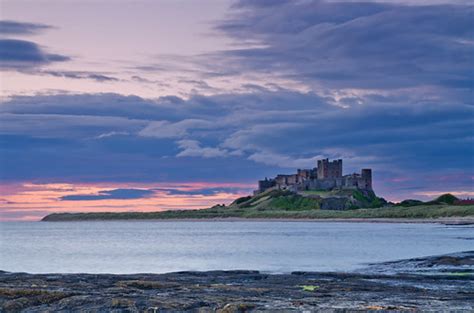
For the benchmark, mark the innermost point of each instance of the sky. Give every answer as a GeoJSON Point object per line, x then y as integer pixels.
{"type": "Point", "coordinates": [153, 105]}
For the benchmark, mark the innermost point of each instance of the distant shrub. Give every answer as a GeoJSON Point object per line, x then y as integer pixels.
{"type": "Point", "coordinates": [447, 198]}
{"type": "Point", "coordinates": [242, 199]}
{"type": "Point", "coordinates": [410, 202]}
{"type": "Point", "coordinates": [368, 199]}
{"type": "Point", "coordinates": [359, 196]}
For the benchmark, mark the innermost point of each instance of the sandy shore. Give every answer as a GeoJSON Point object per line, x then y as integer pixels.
{"type": "Point", "coordinates": [446, 220]}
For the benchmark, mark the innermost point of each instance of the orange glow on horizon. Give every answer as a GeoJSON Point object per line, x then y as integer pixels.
{"type": "Point", "coordinates": [31, 201]}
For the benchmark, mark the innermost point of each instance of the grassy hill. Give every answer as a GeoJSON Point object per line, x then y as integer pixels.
{"type": "Point", "coordinates": [285, 204]}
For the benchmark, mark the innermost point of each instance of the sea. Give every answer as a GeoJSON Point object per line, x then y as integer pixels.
{"type": "Point", "coordinates": [170, 246]}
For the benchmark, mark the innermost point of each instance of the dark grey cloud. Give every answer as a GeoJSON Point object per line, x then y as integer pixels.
{"type": "Point", "coordinates": [8, 27]}
{"type": "Point", "coordinates": [259, 3]}
{"type": "Point", "coordinates": [99, 77]}
{"type": "Point", "coordinates": [100, 105]}
{"type": "Point", "coordinates": [21, 54]}
{"type": "Point", "coordinates": [198, 84]}
{"type": "Point", "coordinates": [354, 45]}
{"type": "Point", "coordinates": [27, 56]}
{"type": "Point", "coordinates": [390, 88]}
{"type": "Point", "coordinates": [234, 137]}
{"type": "Point", "coordinates": [111, 194]}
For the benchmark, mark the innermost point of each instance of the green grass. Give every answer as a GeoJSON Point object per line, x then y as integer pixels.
{"type": "Point", "coordinates": [434, 211]}
{"type": "Point", "coordinates": [461, 274]}
{"type": "Point", "coordinates": [294, 203]}
{"type": "Point", "coordinates": [309, 287]}
{"type": "Point", "coordinates": [321, 193]}
{"type": "Point", "coordinates": [285, 204]}
{"type": "Point", "coordinates": [422, 211]}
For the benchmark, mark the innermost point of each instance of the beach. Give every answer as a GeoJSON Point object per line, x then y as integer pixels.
{"type": "Point", "coordinates": [462, 220]}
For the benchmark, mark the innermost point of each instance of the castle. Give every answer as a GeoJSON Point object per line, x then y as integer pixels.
{"type": "Point", "coordinates": [326, 176]}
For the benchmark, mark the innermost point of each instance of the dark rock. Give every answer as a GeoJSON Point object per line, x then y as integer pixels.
{"type": "Point", "coordinates": [335, 203]}
{"type": "Point", "coordinates": [441, 283]}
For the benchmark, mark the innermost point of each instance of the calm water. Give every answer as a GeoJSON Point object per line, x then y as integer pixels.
{"type": "Point", "coordinates": [157, 247]}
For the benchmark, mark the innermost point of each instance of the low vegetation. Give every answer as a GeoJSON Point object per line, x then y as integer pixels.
{"type": "Point", "coordinates": [17, 299]}
{"type": "Point", "coordinates": [425, 211]}
{"type": "Point", "coordinates": [285, 204]}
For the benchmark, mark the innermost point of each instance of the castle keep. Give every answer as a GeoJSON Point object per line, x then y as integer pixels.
{"type": "Point", "coordinates": [326, 176]}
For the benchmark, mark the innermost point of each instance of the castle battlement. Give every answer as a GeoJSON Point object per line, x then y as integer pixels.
{"type": "Point", "coordinates": [326, 176]}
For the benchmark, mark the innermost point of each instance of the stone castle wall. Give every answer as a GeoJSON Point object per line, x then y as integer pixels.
{"type": "Point", "coordinates": [327, 176]}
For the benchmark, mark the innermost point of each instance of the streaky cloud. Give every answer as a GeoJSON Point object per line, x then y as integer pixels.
{"type": "Point", "coordinates": [202, 191]}
{"type": "Point", "coordinates": [363, 45]}
{"type": "Point", "coordinates": [111, 194]}
{"type": "Point", "coordinates": [99, 77]}
{"type": "Point", "coordinates": [234, 137]}
{"type": "Point", "coordinates": [21, 54]}
{"type": "Point", "coordinates": [8, 27]}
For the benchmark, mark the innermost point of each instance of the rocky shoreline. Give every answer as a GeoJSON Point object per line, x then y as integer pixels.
{"type": "Point", "coordinates": [433, 283]}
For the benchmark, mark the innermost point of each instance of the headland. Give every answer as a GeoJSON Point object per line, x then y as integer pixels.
{"type": "Point", "coordinates": [320, 193]}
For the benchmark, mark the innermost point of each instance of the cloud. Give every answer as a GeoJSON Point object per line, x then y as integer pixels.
{"type": "Point", "coordinates": [284, 161]}
{"type": "Point", "coordinates": [253, 136]}
{"type": "Point", "coordinates": [69, 126]}
{"type": "Point", "coordinates": [31, 201]}
{"type": "Point", "coordinates": [21, 54]}
{"type": "Point", "coordinates": [259, 3]}
{"type": "Point", "coordinates": [28, 57]}
{"type": "Point", "coordinates": [101, 105]}
{"type": "Point", "coordinates": [99, 77]}
{"type": "Point", "coordinates": [232, 136]}
{"type": "Point", "coordinates": [381, 85]}
{"type": "Point", "coordinates": [112, 133]}
{"type": "Point", "coordinates": [362, 45]}
{"type": "Point", "coordinates": [200, 85]}
{"type": "Point", "coordinates": [165, 129]}
{"type": "Point", "coordinates": [203, 191]}
{"type": "Point", "coordinates": [20, 28]}
{"type": "Point", "coordinates": [111, 194]}
{"type": "Point", "coordinates": [192, 148]}
{"type": "Point", "coordinates": [414, 2]}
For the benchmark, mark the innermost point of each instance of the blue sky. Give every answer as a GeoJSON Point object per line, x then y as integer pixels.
{"type": "Point", "coordinates": [148, 92]}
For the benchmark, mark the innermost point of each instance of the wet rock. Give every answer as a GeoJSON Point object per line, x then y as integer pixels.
{"type": "Point", "coordinates": [236, 307]}
{"type": "Point", "coordinates": [453, 264]}
{"type": "Point", "coordinates": [380, 287]}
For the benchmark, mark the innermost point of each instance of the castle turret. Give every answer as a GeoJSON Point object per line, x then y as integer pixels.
{"type": "Point", "coordinates": [366, 175]}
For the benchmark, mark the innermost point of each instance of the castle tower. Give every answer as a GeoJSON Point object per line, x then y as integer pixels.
{"type": "Point", "coordinates": [328, 169]}
{"type": "Point", "coordinates": [366, 175]}
{"type": "Point", "coordinates": [322, 168]}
